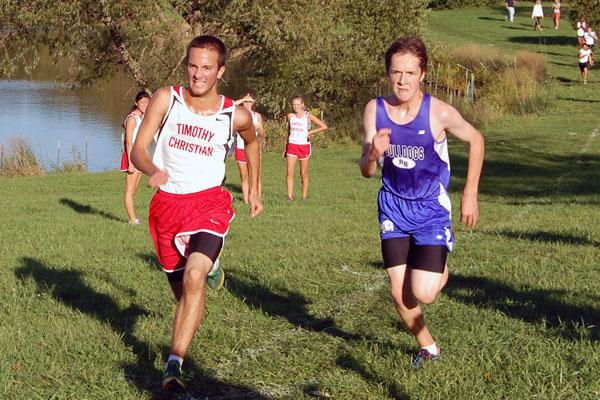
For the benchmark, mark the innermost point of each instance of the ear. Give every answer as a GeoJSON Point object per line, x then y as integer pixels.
{"type": "Point", "coordinates": [423, 73]}
{"type": "Point", "coordinates": [220, 72]}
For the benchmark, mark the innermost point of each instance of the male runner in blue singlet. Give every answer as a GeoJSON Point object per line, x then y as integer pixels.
{"type": "Point", "coordinates": [408, 130]}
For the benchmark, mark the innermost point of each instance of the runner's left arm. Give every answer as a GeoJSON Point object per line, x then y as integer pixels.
{"type": "Point", "coordinates": [243, 125]}
{"type": "Point", "coordinates": [453, 122]}
{"type": "Point", "coordinates": [321, 126]}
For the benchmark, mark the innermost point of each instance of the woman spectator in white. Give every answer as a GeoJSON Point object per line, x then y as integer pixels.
{"type": "Point", "coordinates": [538, 14]}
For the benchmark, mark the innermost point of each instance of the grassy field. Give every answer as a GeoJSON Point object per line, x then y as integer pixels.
{"type": "Point", "coordinates": [86, 312]}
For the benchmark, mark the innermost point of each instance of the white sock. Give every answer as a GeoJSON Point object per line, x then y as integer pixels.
{"type": "Point", "coordinates": [177, 358]}
{"type": "Point", "coordinates": [432, 349]}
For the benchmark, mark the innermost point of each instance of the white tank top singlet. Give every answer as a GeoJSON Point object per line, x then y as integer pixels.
{"type": "Point", "coordinates": [192, 148]}
{"type": "Point", "coordinates": [239, 142]}
{"type": "Point", "coordinates": [299, 127]}
{"type": "Point", "coordinates": [136, 128]}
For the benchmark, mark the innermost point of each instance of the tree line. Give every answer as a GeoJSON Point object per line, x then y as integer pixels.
{"type": "Point", "coordinates": [330, 50]}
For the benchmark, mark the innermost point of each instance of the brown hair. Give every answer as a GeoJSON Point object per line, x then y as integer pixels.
{"type": "Point", "coordinates": [208, 42]}
{"type": "Point", "coordinates": [407, 45]}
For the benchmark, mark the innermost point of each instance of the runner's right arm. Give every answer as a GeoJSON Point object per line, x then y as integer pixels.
{"type": "Point", "coordinates": [375, 143]}
{"type": "Point", "coordinates": [155, 113]}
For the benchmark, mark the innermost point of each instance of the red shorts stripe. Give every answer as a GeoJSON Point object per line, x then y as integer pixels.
{"type": "Point", "coordinates": [240, 155]}
{"type": "Point", "coordinates": [175, 217]}
{"type": "Point", "coordinates": [302, 151]}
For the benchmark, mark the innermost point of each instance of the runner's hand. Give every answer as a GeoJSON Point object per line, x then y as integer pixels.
{"type": "Point", "coordinates": [256, 206]}
{"type": "Point", "coordinates": [380, 143]}
{"type": "Point", "coordinates": [158, 178]}
{"type": "Point", "coordinates": [469, 211]}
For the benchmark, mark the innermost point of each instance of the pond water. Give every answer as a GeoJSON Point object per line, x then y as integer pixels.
{"type": "Point", "coordinates": [59, 122]}
{"type": "Point", "coordinates": [62, 121]}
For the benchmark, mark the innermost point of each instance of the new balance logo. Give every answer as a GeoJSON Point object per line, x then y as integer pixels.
{"type": "Point", "coordinates": [421, 132]}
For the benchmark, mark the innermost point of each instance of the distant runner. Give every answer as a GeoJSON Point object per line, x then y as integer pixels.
{"type": "Point", "coordinates": [298, 146]}
{"type": "Point", "coordinates": [249, 103]}
{"type": "Point", "coordinates": [132, 179]}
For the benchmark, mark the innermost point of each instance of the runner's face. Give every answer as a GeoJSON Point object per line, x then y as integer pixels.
{"type": "Point", "coordinates": [247, 105]}
{"type": "Point", "coordinates": [203, 70]}
{"type": "Point", "coordinates": [298, 106]}
{"type": "Point", "coordinates": [142, 104]}
{"type": "Point", "coordinates": [405, 76]}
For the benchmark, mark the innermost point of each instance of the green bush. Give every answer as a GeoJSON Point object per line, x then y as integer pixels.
{"type": "Point", "coordinates": [590, 9]}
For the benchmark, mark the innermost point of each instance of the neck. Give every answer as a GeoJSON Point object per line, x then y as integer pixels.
{"type": "Point", "coordinates": [411, 105]}
{"type": "Point", "coordinates": [207, 103]}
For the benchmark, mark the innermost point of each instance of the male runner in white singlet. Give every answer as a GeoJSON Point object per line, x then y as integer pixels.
{"type": "Point", "coordinates": [191, 211]}
{"type": "Point", "coordinates": [408, 130]}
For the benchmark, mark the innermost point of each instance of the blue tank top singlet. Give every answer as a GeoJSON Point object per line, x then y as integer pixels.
{"type": "Point", "coordinates": [416, 166]}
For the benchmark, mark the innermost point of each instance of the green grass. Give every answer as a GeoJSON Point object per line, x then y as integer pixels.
{"type": "Point", "coordinates": [86, 312]}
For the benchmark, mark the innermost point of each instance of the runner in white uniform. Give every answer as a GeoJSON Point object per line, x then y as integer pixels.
{"type": "Point", "coordinates": [581, 28]}
{"type": "Point", "coordinates": [590, 38]}
{"type": "Point", "coordinates": [249, 104]}
{"type": "Point", "coordinates": [586, 58]}
{"type": "Point", "coordinates": [132, 179]}
{"type": "Point", "coordinates": [298, 145]}
{"type": "Point", "coordinates": [191, 211]}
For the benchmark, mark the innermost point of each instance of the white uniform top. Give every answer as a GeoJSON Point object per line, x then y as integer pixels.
{"type": "Point", "coordinates": [239, 141]}
{"type": "Point", "coordinates": [589, 38]}
{"type": "Point", "coordinates": [192, 148]}
{"type": "Point", "coordinates": [556, 7]}
{"type": "Point", "coordinates": [538, 11]}
{"type": "Point", "coordinates": [584, 55]}
{"type": "Point", "coordinates": [136, 128]}
{"type": "Point", "coordinates": [298, 129]}
{"type": "Point", "coordinates": [581, 27]}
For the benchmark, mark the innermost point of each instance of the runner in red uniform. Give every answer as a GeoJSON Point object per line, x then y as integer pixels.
{"type": "Point", "coordinates": [298, 145]}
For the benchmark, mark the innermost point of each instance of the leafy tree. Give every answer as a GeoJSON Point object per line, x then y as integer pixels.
{"type": "Point", "coordinates": [588, 8]}
{"type": "Point", "coordinates": [330, 50]}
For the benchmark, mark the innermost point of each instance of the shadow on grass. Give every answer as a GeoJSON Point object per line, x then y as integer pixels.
{"type": "Point", "coordinates": [349, 363]}
{"type": "Point", "coordinates": [578, 100]}
{"type": "Point", "coordinates": [516, 28]}
{"type": "Point", "coordinates": [563, 79]}
{"type": "Point", "coordinates": [86, 209]}
{"type": "Point", "coordinates": [286, 303]}
{"type": "Point", "coordinates": [68, 287]}
{"type": "Point", "coordinates": [564, 64]}
{"type": "Point", "coordinates": [544, 40]}
{"type": "Point", "coordinates": [492, 19]}
{"type": "Point", "coordinates": [151, 260]}
{"type": "Point", "coordinates": [233, 187]}
{"type": "Point", "coordinates": [539, 306]}
{"type": "Point", "coordinates": [547, 237]}
{"type": "Point", "coordinates": [517, 171]}
{"type": "Point", "coordinates": [551, 53]}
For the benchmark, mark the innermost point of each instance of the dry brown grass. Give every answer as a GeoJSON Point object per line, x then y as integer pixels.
{"type": "Point", "coordinates": [18, 159]}
{"type": "Point", "coordinates": [504, 84]}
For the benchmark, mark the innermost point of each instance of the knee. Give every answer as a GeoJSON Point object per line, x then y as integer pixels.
{"type": "Point", "coordinates": [425, 296]}
{"type": "Point", "coordinates": [401, 301]}
{"type": "Point", "coordinates": [196, 274]}
{"type": "Point", "coordinates": [304, 176]}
